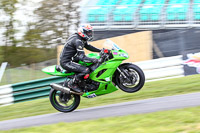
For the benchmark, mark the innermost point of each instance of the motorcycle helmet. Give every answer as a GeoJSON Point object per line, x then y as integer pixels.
{"type": "Point", "coordinates": [86, 32]}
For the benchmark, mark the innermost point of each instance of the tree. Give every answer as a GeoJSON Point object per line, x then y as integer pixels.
{"type": "Point", "coordinates": [55, 20]}
{"type": "Point", "coordinates": [1, 55]}
{"type": "Point", "coordinates": [32, 36]}
{"type": "Point", "coordinates": [8, 9]}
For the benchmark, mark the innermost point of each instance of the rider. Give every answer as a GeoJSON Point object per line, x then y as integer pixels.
{"type": "Point", "coordinates": [73, 52]}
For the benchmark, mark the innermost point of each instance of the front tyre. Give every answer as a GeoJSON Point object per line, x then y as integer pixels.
{"type": "Point", "coordinates": [64, 102]}
{"type": "Point", "coordinates": [129, 78]}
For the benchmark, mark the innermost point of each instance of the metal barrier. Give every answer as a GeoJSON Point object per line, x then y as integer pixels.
{"type": "Point", "coordinates": [158, 69]}
{"type": "Point", "coordinates": [162, 68]}
{"type": "Point", "coordinates": [27, 90]}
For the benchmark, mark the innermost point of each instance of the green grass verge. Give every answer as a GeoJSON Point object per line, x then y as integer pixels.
{"type": "Point", "coordinates": [175, 121]}
{"type": "Point", "coordinates": [150, 90]}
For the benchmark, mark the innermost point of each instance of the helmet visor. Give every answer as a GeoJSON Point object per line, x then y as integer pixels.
{"type": "Point", "coordinates": [89, 33]}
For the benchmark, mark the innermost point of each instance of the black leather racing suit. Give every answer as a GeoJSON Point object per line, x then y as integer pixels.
{"type": "Point", "coordinates": [73, 52]}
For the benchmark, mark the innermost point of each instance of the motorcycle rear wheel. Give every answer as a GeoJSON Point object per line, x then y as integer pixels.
{"type": "Point", "coordinates": [135, 81]}
{"type": "Point", "coordinates": [64, 102]}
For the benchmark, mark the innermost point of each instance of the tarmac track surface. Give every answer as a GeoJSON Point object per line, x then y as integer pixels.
{"type": "Point", "coordinates": [120, 109]}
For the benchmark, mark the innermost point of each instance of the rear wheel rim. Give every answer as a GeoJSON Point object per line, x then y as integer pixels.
{"type": "Point", "coordinates": [63, 104]}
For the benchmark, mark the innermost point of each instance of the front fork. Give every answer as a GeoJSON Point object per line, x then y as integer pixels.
{"type": "Point", "coordinates": [124, 74]}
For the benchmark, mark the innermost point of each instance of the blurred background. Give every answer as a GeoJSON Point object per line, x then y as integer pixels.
{"type": "Point", "coordinates": [32, 32]}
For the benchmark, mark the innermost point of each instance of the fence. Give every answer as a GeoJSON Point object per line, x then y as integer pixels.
{"type": "Point", "coordinates": [162, 68]}
{"type": "Point", "coordinates": [142, 16]}
{"type": "Point", "coordinates": [26, 72]}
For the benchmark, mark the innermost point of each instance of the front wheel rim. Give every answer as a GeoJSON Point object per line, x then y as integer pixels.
{"type": "Point", "coordinates": [133, 77]}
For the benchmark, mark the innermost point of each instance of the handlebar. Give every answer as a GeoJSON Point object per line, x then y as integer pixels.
{"type": "Point", "coordinates": [104, 54]}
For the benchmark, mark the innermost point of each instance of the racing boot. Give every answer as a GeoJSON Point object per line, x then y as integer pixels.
{"type": "Point", "coordinates": [72, 84]}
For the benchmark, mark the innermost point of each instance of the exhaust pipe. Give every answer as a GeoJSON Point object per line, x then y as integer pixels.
{"type": "Point", "coordinates": [63, 89]}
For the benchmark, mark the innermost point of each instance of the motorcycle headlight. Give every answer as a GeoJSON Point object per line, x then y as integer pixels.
{"type": "Point", "coordinates": [124, 55]}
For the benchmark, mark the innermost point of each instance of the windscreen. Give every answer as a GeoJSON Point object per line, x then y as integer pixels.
{"type": "Point", "coordinates": [111, 45]}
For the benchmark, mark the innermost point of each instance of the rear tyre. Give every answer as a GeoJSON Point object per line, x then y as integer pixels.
{"type": "Point", "coordinates": [134, 80]}
{"type": "Point", "coordinates": [64, 102]}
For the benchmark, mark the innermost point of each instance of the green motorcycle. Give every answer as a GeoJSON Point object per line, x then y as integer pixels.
{"type": "Point", "coordinates": [106, 77]}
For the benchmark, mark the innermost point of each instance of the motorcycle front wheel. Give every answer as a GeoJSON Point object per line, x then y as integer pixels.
{"type": "Point", "coordinates": [129, 78]}
{"type": "Point", "coordinates": [64, 102]}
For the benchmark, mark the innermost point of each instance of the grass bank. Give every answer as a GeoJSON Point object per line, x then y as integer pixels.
{"type": "Point", "coordinates": [168, 87]}
{"type": "Point", "coordinates": [175, 121]}
{"type": "Point", "coordinates": [16, 75]}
